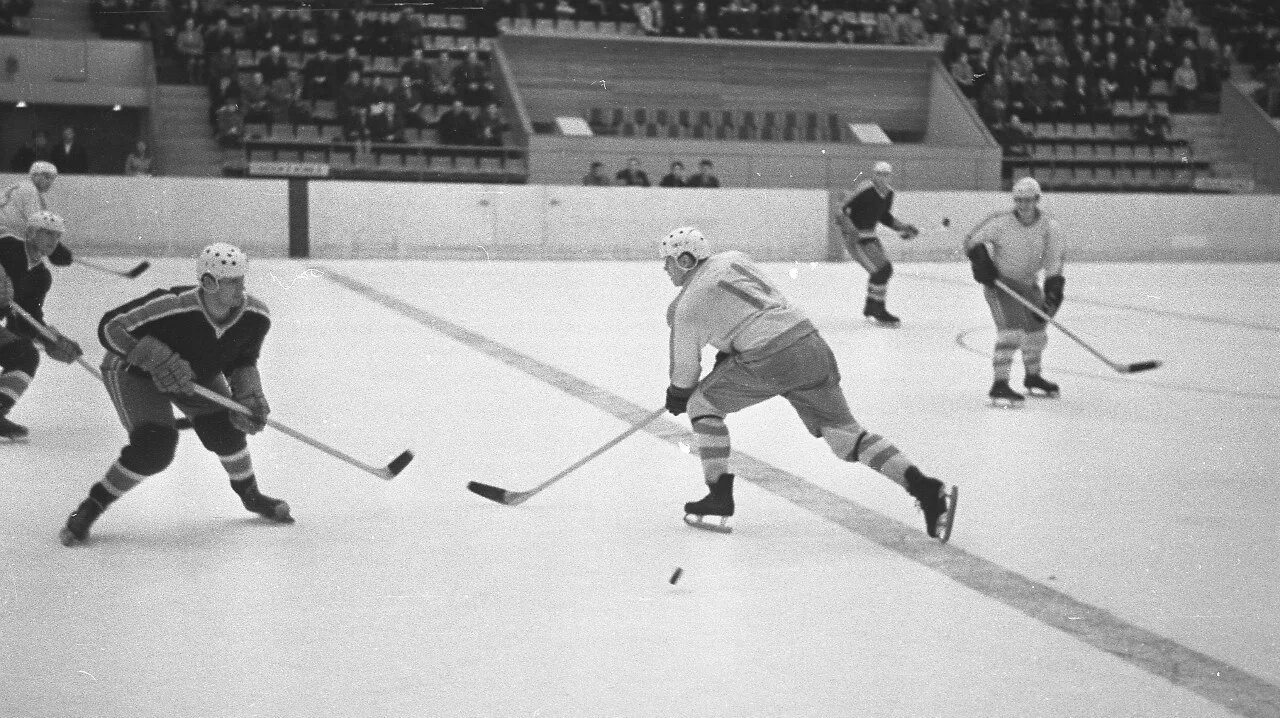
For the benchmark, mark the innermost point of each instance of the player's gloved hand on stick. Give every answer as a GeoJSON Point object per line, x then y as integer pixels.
{"type": "Point", "coordinates": [908, 231]}
{"type": "Point", "coordinates": [60, 256]}
{"type": "Point", "coordinates": [171, 373]}
{"type": "Point", "coordinates": [721, 357]}
{"type": "Point", "coordinates": [984, 269]}
{"type": "Point", "coordinates": [678, 399]}
{"type": "Point", "coordinates": [256, 403]}
{"type": "Point", "coordinates": [63, 349]}
{"type": "Point", "coordinates": [1053, 287]}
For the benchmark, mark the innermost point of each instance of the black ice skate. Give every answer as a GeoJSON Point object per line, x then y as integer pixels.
{"type": "Point", "coordinates": [938, 504]}
{"type": "Point", "coordinates": [11, 432]}
{"type": "Point", "coordinates": [77, 529]}
{"type": "Point", "coordinates": [719, 502]}
{"type": "Point", "coordinates": [875, 311]}
{"type": "Point", "coordinates": [1003, 395]}
{"type": "Point", "coordinates": [1039, 386]}
{"type": "Point", "coordinates": [261, 504]}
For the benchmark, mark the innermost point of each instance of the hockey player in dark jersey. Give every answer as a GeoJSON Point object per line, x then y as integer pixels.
{"type": "Point", "coordinates": [158, 347]}
{"type": "Point", "coordinates": [25, 281]}
{"type": "Point", "coordinates": [871, 203]}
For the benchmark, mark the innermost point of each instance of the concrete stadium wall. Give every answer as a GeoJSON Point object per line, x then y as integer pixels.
{"type": "Point", "coordinates": [154, 217]}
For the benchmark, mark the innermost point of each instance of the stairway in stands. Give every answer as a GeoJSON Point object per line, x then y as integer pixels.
{"type": "Point", "coordinates": [185, 145]}
{"type": "Point", "coordinates": [1210, 141]}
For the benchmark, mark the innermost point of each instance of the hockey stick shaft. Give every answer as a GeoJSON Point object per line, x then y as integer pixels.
{"type": "Point", "coordinates": [1123, 368]}
{"type": "Point", "coordinates": [513, 498]}
{"type": "Point", "coordinates": [131, 274]}
{"type": "Point", "coordinates": [382, 472]}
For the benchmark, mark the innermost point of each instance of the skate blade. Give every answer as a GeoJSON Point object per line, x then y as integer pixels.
{"type": "Point", "coordinates": [700, 523]}
{"type": "Point", "coordinates": [884, 325]}
{"type": "Point", "coordinates": [1037, 393]}
{"type": "Point", "coordinates": [68, 539]}
{"type": "Point", "coordinates": [14, 440]}
{"type": "Point", "coordinates": [944, 531]}
{"type": "Point", "coordinates": [1005, 403]}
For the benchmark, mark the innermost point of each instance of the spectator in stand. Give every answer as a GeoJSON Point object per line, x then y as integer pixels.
{"type": "Point", "coordinates": [491, 126]}
{"type": "Point", "coordinates": [226, 89]}
{"type": "Point", "coordinates": [219, 36]}
{"type": "Point", "coordinates": [69, 155]}
{"type": "Point", "coordinates": [350, 95]}
{"type": "Point", "coordinates": [471, 80]}
{"type": "Point", "coordinates": [140, 161]}
{"type": "Point", "coordinates": [35, 151]}
{"type": "Point", "coordinates": [230, 124]}
{"type": "Point", "coordinates": [285, 98]}
{"type": "Point", "coordinates": [254, 100]}
{"type": "Point", "coordinates": [1055, 105]}
{"type": "Point", "coordinates": [1152, 125]}
{"type": "Point", "coordinates": [704, 177]}
{"type": "Point", "coordinates": [962, 73]}
{"type": "Point", "coordinates": [408, 97]}
{"type": "Point", "coordinates": [443, 93]}
{"type": "Point", "coordinates": [456, 125]}
{"type": "Point", "coordinates": [381, 89]}
{"type": "Point", "coordinates": [318, 77]}
{"type": "Point", "coordinates": [674, 178]}
{"type": "Point", "coordinates": [702, 22]}
{"type": "Point", "coordinates": [409, 26]}
{"type": "Point", "coordinates": [222, 64]}
{"type": "Point", "coordinates": [593, 178]}
{"type": "Point", "coordinates": [385, 123]}
{"type": "Point", "coordinates": [1185, 83]}
{"type": "Point", "coordinates": [632, 175]}
{"type": "Point", "coordinates": [355, 129]}
{"type": "Point", "coordinates": [419, 71]}
{"type": "Point", "coordinates": [1078, 98]}
{"type": "Point", "coordinates": [190, 45]}
{"type": "Point", "coordinates": [348, 63]}
{"type": "Point", "coordinates": [1014, 137]}
{"type": "Point", "coordinates": [1036, 98]}
{"type": "Point", "coordinates": [273, 65]}
{"type": "Point", "coordinates": [995, 98]}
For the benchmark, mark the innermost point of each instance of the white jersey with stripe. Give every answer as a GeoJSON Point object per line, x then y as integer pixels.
{"type": "Point", "coordinates": [1021, 250]}
{"type": "Point", "coordinates": [18, 203]}
{"type": "Point", "coordinates": [726, 302]}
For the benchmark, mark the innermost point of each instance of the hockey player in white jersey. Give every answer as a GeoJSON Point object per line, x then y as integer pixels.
{"type": "Point", "coordinates": [1014, 246]}
{"type": "Point", "coordinates": [766, 347]}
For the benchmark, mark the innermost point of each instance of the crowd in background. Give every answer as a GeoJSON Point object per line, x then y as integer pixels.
{"type": "Point", "coordinates": [633, 175]}
{"type": "Point", "coordinates": [68, 154]}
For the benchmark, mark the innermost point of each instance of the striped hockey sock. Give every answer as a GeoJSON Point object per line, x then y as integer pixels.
{"type": "Point", "coordinates": [1033, 345]}
{"type": "Point", "coordinates": [1007, 342]}
{"type": "Point", "coordinates": [878, 453]}
{"type": "Point", "coordinates": [713, 446]}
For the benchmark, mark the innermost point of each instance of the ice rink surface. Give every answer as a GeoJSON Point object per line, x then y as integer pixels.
{"type": "Point", "coordinates": [1116, 553]}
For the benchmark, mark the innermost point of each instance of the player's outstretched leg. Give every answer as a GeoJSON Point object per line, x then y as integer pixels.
{"type": "Point", "coordinates": [1039, 386]}
{"type": "Point", "coordinates": [938, 505]}
{"type": "Point", "coordinates": [259, 503]}
{"type": "Point", "coordinates": [717, 502]}
{"type": "Point", "coordinates": [1003, 395]}
{"type": "Point", "coordinates": [78, 523]}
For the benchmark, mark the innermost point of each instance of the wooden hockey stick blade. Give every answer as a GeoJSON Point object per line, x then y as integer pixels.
{"type": "Point", "coordinates": [138, 270]}
{"type": "Point", "coordinates": [493, 493]}
{"type": "Point", "coordinates": [397, 464]}
{"type": "Point", "coordinates": [1143, 366]}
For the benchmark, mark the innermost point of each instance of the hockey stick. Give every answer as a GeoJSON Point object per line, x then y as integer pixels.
{"type": "Point", "coordinates": [514, 498]}
{"type": "Point", "coordinates": [1122, 368]}
{"type": "Point", "coordinates": [387, 472]}
{"type": "Point", "coordinates": [131, 274]}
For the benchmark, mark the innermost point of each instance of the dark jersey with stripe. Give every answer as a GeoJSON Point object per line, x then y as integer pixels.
{"type": "Point", "coordinates": [30, 284]}
{"type": "Point", "coordinates": [867, 207]}
{"type": "Point", "coordinates": [177, 317]}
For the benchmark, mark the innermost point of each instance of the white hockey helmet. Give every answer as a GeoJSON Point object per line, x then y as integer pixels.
{"type": "Point", "coordinates": [222, 261]}
{"type": "Point", "coordinates": [41, 167]}
{"type": "Point", "coordinates": [44, 219]}
{"type": "Point", "coordinates": [685, 239]}
{"type": "Point", "coordinates": [1026, 188]}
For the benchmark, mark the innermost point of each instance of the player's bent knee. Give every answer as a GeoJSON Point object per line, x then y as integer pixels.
{"type": "Point", "coordinates": [151, 449]}
{"type": "Point", "coordinates": [217, 434]}
{"type": "Point", "coordinates": [699, 407]}
{"type": "Point", "coordinates": [20, 355]}
{"type": "Point", "coordinates": [881, 275]}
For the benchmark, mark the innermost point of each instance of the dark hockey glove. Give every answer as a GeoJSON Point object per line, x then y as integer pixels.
{"type": "Point", "coordinates": [60, 256]}
{"type": "Point", "coordinates": [246, 388]}
{"type": "Point", "coordinates": [678, 399]}
{"type": "Point", "coordinates": [984, 270]}
{"type": "Point", "coordinates": [63, 350]}
{"type": "Point", "coordinates": [908, 231]}
{"type": "Point", "coordinates": [171, 373]}
{"type": "Point", "coordinates": [721, 357]}
{"type": "Point", "coordinates": [1053, 287]}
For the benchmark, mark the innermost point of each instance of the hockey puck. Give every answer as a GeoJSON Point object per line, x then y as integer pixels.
{"type": "Point", "coordinates": [675, 575]}
{"type": "Point", "coordinates": [946, 221]}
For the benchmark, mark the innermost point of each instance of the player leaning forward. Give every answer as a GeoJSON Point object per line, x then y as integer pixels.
{"type": "Point", "coordinates": [158, 347]}
{"type": "Point", "coordinates": [1022, 242]}
{"type": "Point", "coordinates": [766, 347]}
